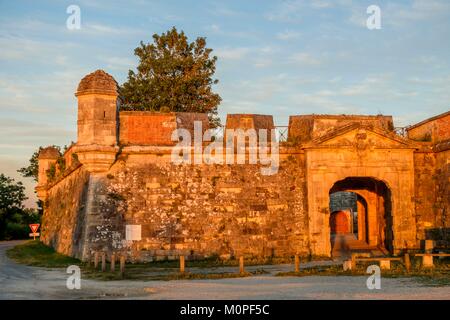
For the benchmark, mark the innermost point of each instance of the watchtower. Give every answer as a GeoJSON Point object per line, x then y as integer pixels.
{"type": "Point", "coordinates": [98, 123]}
{"type": "Point", "coordinates": [97, 109]}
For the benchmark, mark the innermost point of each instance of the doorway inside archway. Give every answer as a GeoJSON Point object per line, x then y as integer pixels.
{"type": "Point", "coordinates": [361, 216]}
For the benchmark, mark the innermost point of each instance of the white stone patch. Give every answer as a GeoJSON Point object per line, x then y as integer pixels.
{"type": "Point", "coordinates": [133, 232]}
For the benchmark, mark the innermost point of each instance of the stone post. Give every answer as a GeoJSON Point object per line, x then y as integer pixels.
{"type": "Point", "coordinates": [347, 265]}
{"type": "Point", "coordinates": [385, 264]}
{"type": "Point", "coordinates": [113, 262]}
{"type": "Point", "coordinates": [181, 264]}
{"type": "Point", "coordinates": [427, 261]}
{"type": "Point", "coordinates": [122, 265]}
{"type": "Point", "coordinates": [407, 262]}
{"type": "Point", "coordinates": [297, 263]}
{"type": "Point", "coordinates": [353, 262]}
{"type": "Point", "coordinates": [241, 265]}
{"type": "Point", "coordinates": [95, 260]}
{"type": "Point", "coordinates": [103, 262]}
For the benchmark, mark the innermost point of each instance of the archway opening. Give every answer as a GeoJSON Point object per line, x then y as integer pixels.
{"type": "Point", "coordinates": [361, 218]}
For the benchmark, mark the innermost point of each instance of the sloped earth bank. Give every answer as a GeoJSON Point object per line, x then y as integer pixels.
{"type": "Point", "coordinates": [23, 282]}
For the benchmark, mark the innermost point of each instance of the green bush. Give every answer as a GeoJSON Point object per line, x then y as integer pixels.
{"type": "Point", "coordinates": [16, 230]}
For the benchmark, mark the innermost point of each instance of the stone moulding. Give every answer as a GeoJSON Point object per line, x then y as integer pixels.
{"type": "Point", "coordinates": [96, 158]}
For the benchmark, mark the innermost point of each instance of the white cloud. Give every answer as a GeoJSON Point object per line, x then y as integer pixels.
{"type": "Point", "coordinates": [404, 14]}
{"type": "Point", "coordinates": [119, 63]}
{"type": "Point", "coordinates": [304, 58]}
{"type": "Point", "coordinates": [97, 29]}
{"type": "Point", "coordinates": [293, 11]}
{"type": "Point", "coordinates": [263, 62]}
{"type": "Point", "coordinates": [418, 10]}
{"type": "Point", "coordinates": [222, 10]}
{"type": "Point", "coordinates": [232, 53]}
{"type": "Point", "coordinates": [323, 104]}
{"type": "Point", "coordinates": [359, 16]}
{"type": "Point", "coordinates": [321, 4]}
{"type": "Point", "coordinates": [288, 35]}
{"type": "Point", "coordinates": [288, 11]}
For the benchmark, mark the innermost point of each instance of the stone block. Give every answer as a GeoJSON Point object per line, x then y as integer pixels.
{"type": "Point", "coordinates": [347, 265]}
{"type": "Point", "coordinates": [385, 264]}
{"type": "Point", "coordinates": [427, 261]}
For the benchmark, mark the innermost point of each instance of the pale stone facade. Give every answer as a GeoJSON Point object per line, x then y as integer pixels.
{"type": "Point", "coordinates": [120, 173]}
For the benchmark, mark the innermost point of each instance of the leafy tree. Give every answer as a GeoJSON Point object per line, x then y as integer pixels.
{"type": "Point", "coordinates": [14, 219]}
{"type": "Point", "coordinates": [173, 75]}
{"type": "Point", "coordinates": [12, 193]}
{"type": "Point", "coordinates": [32, 169]}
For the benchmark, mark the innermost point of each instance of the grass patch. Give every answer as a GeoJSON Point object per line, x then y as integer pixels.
{"type": "Point", "coordinates": [437, 276]}
{"type": "Point", "coordinates": [143, 272]}
{"type": "Point", "coordinates": [168, 275]}
{"type": "Point", "coordinates": [216, 262]}
{"type": "Point", "coordinates": [35, 253]}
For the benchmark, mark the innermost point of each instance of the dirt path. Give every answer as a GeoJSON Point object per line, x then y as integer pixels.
{"type": "Point", "coordinates": [22, 282]}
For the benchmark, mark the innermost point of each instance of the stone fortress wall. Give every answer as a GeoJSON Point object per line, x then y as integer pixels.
{"type": "Point", "coordinates": [118, 177]}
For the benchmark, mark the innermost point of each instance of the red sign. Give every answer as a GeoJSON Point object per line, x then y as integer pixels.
{"type": "Point", "coordinates": [34, 227]}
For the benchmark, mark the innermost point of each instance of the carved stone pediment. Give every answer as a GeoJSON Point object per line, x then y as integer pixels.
{"type": "Point", "coordinates": [361, 138]}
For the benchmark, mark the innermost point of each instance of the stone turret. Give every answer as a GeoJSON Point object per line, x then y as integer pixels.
{"type": "Point", "coordinates": [97, 137]}
{"type": "Point", "coordinates": [47, 157]}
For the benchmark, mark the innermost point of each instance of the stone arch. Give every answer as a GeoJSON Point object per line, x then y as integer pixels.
{"type": "Point", "coordinates": [375, 224]}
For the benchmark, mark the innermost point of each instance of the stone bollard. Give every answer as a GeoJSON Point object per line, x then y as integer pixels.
{"type": "Point", "coordinates": [427, 261]}
{"type": "Point", "coordinates": [385, 264]}
{"type": "Point", "coordinates": [122, 265]}
{"type": "Point", "coordinates": [407, 262]}
{"type": "Point", "coordinates": [353, 262]}
{"type": "Point", "coordinates": [95, 260]}
{"type": "Point", "coordinates": [181, 264]}
{"type": "Point", "coordinates": [103, 262]}
{"type": "Point", "coordinates": [347, 265]}
{"type": "Point", "coordinates": [241, 265]}
{"type": "Point", "coordinates": [113, 262]}
{"type": "Point", "coordinates": [297, 263]}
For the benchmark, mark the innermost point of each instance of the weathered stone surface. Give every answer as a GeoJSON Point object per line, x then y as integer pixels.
{"type": "Point", "coordinates": [155, 128]}
{"type": "Point", "coordinates": [435, 129]}
{"type": "Point", "coordinates": [64, 213]}
{"type": "Point", "coordinates": [97, 82]}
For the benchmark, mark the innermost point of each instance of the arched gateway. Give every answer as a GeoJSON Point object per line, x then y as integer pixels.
{"type": "Point", "coordinates": [368, 214]}
{"type": "Point", "coordinates": [375, 165]}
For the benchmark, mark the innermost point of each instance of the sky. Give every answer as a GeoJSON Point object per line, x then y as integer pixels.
{"type": "Point", "coordinates": [282, 58]}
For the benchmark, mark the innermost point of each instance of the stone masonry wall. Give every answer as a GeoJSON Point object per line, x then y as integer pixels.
{"type": "Point", "coordinates": [441, 232]}
{"type": "Point", "coordinates": [200, 211]}
{"type": "Point", "coordinates": [425, 193]}
{"type": "Point", "coordinates": [62, 222]}
{"type": "Point", "coordinates": [436, 129]}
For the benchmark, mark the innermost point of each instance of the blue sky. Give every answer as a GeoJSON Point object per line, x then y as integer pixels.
{"type": "Point", "coordinates": [274, 57]}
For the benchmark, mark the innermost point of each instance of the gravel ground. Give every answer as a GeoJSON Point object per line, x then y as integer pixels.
{"type": "Point", "coordinates": [23, 282]}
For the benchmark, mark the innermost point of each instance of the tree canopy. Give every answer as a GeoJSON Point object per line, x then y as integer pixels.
{"type": "Point", "coordinates": [14, 219]}
{"type": "Point", "coordinates": [173, 75]}
{"type": "Point", "coordinates": [12, 194]}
